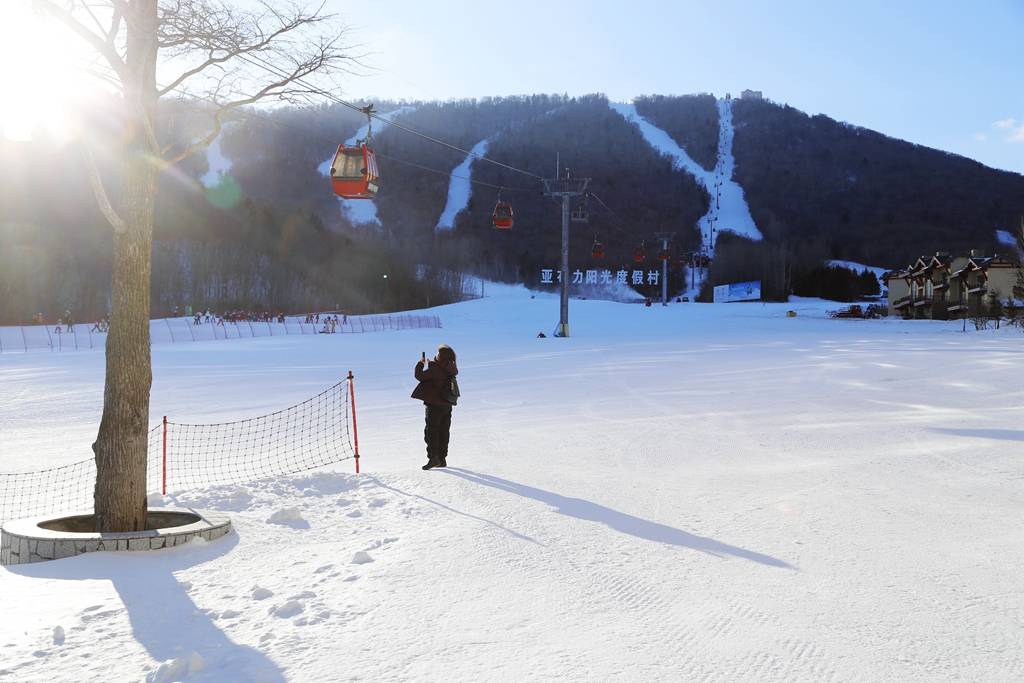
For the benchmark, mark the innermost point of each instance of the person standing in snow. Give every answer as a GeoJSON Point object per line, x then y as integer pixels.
{"type": "Point", "coordinates": [435, 377]}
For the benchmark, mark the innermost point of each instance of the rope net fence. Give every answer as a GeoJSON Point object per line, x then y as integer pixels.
{"type": "Point", "coordinates": [25, 338]}
{"type": "Point", "coordinates": [316, 432]}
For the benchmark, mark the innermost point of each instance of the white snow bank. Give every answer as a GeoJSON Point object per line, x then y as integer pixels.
{"type": "Point", "coordinates": [289, 517]}
{"type": "Point", "coordinates": [460, 187]}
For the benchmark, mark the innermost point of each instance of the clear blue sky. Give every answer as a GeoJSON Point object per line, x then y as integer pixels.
{"type": "Point", "coordinates": [941, 73]}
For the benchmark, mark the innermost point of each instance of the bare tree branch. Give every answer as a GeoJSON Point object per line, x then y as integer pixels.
{"type": "Point", "coordinates": [102, 199]}
{"type": "Point", "coordinates": [98, 43]}
{"type": "Point", "coordinates": [224, 40]}
{"type": "Point", "coordinates": [240, 51]}
{"type": "Point", "coordinates": [280, 88]}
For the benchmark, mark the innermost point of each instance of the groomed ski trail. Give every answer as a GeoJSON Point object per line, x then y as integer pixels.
{"type": "Point", "coordinates": [728, 209]}
{"type": "Point", "coordinates": [460, 187]}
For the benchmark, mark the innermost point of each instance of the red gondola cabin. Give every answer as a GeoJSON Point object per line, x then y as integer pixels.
{"type": "Point", "coordinates": [354, 173]}
{"type": "Point", "coordinates": [502, 218]}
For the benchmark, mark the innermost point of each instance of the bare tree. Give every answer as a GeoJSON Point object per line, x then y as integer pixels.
{"type": "Point", "coordinates": [226, 58]}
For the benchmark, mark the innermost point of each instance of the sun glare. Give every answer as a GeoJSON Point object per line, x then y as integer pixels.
{"type": "Point", "coordinates": [39, 68]}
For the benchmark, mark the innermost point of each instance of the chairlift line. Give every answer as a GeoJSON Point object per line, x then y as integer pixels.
{"type": "Point", "coordinates": [449, 174]}
{"type": "Point", "coordinates": [261, 63]}
{"type": "Point", "coordinates": [354, 172]}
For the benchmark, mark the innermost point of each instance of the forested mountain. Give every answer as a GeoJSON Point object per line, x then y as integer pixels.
{"type": "Point", "coordinates": [868, 197]}
{"type": "Point", "coordinates": [272, 235]}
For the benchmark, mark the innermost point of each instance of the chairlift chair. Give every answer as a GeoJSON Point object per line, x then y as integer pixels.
{"type": "Point", "coordinates": [502, 216]}
{"type": "Point", "coordinates": [579, 212]}
{"type": "Point", "coordinates": [640, 254]}
{"type": "Point", "coordinates": [354, 173]}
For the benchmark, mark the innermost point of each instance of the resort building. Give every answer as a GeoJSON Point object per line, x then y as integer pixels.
{"type": "Point", "coordinates": [941, 287]}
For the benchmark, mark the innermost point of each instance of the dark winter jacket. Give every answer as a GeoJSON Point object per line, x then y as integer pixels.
{"type": "Point", "coordinates": [431, 379]}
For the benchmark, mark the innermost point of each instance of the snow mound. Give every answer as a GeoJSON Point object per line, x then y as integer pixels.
{"type": "Point", "coordinates": [289, 517]}
{"type": "Point", "coordinates": [288, 609]}
{"type": "Point", "coordinates": [177, 669]}
{"type": "Point", "coordinates": [325, 484]}
{"type": "Point", "coordinates": [232, 498]}
{"type": "Point", "coordinates": [361, 557]}
{"type": "Point", "coordinates": [259, 593]}
{"type": "Point", "coordinates": [58, 635]}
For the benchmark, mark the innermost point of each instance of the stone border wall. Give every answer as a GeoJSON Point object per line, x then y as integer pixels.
{"type": "Point", "coordinates": [23, 541]}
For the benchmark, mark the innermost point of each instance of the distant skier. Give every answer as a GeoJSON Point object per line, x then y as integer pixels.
{"type": "Point", "coordinates": [439, 392]}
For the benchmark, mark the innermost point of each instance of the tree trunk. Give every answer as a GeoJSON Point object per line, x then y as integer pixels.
{"type": "Point", "coordinates": [121, 445]}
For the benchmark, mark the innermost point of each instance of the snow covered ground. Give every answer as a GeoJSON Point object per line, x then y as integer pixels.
{"type": "Point", "coordinates": [694, 492]}
{"type": "Point", "coordinates": [460, 187]}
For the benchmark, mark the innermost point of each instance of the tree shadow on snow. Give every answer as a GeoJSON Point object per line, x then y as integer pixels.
{"type": "Point", "coordinates": [619, 521]}
{"type": "Point", "coordinates": [163, 617]}
{"type": "Point", "coordinates": [999, 434]}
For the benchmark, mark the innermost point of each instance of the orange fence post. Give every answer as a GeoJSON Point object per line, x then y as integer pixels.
{"type": "Point", "coordinates": [163, 487]}
{"type": "Point", "coordinates": [355, 430]}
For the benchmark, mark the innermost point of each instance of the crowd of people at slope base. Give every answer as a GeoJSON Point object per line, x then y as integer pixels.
{"type": "Point", "coordinates": [330, 322]}
{"type": "Point", "coordinates": [327, 322]}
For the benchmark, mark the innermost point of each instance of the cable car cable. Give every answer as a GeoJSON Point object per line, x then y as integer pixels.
{"type": "Point", "coordinates": [259, 62]}
{"type": "Point", "coordinates": [504, 188]}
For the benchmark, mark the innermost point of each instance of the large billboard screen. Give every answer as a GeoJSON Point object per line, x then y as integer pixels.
{"type": "Point", "coordinates": [738, 291]}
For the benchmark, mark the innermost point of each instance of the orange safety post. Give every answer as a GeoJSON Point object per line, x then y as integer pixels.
{"type": "Point", "coordinates": [355, 430]}
{"type": "Point", "coordinates": [163, 488]}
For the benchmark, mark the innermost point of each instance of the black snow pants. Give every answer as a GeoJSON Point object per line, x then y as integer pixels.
{"type": "Point", "coordinates": [436, 432]}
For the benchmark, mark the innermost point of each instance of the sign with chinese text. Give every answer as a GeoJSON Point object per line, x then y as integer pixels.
{"type": "Point", "coordinates": [550, 276]}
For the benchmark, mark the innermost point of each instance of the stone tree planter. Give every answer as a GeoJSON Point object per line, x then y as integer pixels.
{"type": "Point", "coordinates": [39, 539]}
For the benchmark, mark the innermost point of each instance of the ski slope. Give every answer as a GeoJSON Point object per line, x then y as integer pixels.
{"type": "Point", "coordinates": [691, 492]}
{"type": "Point", "coordinates": [728, 209]}
{"type": "Point", "coordinates": [460, 187]}
{"type": "Point", "coordinates": [858, 267]}
{"type": "Point", "coordinates": [361, 211]}
{"type": "Point", "coordinates": [218, 164]}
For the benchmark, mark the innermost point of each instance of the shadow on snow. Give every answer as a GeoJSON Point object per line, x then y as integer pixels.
{"type": "Point", "coordinates": [163, 618]}
{"type": "Point", "coordinates": [999, 434]}
{"type": "Point", "coordinates": [619, 521]}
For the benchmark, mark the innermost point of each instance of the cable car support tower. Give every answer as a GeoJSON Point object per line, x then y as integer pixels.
{"type": "Point", "coordinates": [567, 189]}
